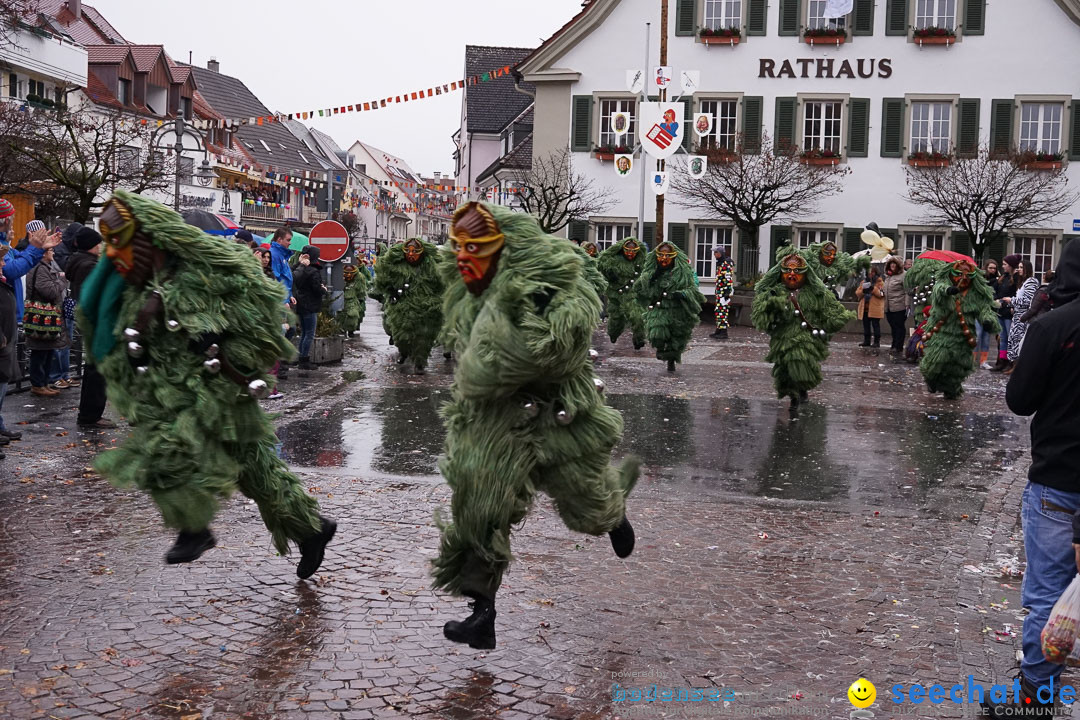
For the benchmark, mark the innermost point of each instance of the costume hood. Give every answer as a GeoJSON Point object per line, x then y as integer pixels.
{"type": "Point", "coordinates": [1066, 284]}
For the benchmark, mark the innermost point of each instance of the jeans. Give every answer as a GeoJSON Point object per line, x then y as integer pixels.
{"type": "Point", "coordinates": [61, 366]}
{"type": "Point", "coordinates": [307, 332]}
{"type": "Point", "coordinates": [897, 327]}
{"type": "Point", "coordinates": [1003, 338]}
{"type": "Point", "coordinates": [868, 324]}
{"type": "Point", "coordinates": [41, 363]}
{"type": "Point", "coordinates": [983, 336]}
{"type": "Point", "coordinates": [1051, 566]}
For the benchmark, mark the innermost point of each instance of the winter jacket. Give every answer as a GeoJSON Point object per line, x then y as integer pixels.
{"type": "Point", "coordinates": [876, 301]}
{"type": "Point", "coordinates": [308, 284]}
{"type": "Point", "coordinates": [897, 298]}
{"type": "Point", "coordinates": [80, 264]}
{"type": "Point", "coordinates": [45, 284]}
{"type": "Point", "coordinates": [16, 264]}
{"type": "Point", "coordinates": [1040, 304]}
{"type": "Point", "coordinates": [9, 334]}
{"type": "Point", "coordinates": [279, 263]}
{"type": "Point", "coordinates": [1003, 288]}
{"type": "Point", "coordinates": [1046, 382]}
{"type": "Point", "coordinates": [63, 252]}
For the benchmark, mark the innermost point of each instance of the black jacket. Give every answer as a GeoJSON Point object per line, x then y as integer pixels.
{"type": "Point", "coordinates": [1004, 287]}
{"type": "Point", "coordinates": [66, 249]}
{"type": "Point", "coordinates": [1046, 382]}
{"type": "Point", "coordinates": [308, 283]}
{"type": "Point", "coordinates": [9, 330]}
{"type": "Point", "coordinates": [79, 267]}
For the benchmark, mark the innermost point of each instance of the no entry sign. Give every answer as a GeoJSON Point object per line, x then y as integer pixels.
{"type": "Point", "coordinates": [331, 238]}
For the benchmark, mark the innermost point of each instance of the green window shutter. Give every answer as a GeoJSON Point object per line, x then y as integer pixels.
{"type": "Point", "coordinates": [892, 127]}
{"type": "Point", "coordinates": [581, 124]}
{"type": "Point", "coordinates": [1001, 126]}
{"type": "Point", "coordinates": [688, 122]}
{"type": "Point", "coordinates": [858, 127]}
{"type": "Point", "coordinates": [1074, 132]}
{"type": "Point", "coordinates": [779, 236]}
{"type": "Point", "coordinates": [967, 136]}
{"type": "Point", "coordinates": [974, 17]}
{"type": "Point", "coordinates": [961, 243]}
{"type": "Point", "coordinates": [757, 17]}
{"type": "Point", "coordinates": [896, 17]}
{"type": "Point", "coordinates": [649, 232]}
{"type": "Point", "coordinates": [853, 240]}
{"type": "Point", "coordinates": [997, 248]}
{"type": "Point", "coordinates": [679, 235]}
{"type": "Point", "coordinates": [685, 17]}
{"type": "Point", "coordinates": [578, 231]}
{"type": "Point", "coordinates": [751, 123]}
{"type": "Point", "coordinates": [862, 22]}
{"type": "Point", "coordinates": [784, 133]}
{"type": "Point", "coordinates": [789, 17]}
{"type": "Point", "coordinates": [1066, 239]}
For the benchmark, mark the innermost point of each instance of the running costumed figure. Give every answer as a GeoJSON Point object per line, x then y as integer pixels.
{"type": "Point", "coordinates": [407, 278]}
{"type": "Point", "coordinates": [830, 265]}
{"type": "Point", "coordinates": [527, 411]}
{"type": "Point", "coordinates": [668, 288]}
{"type": "Point", "coordinates": [621, 264]}
{"type": "Point", "coordinates": [356, 289]}
{"type": "Point", "coordinates": [725, 289]}
{"type": "Point", "coordinates": [800, 314]}
{"type": "Point", "coordinates": [184, 327]}
{"type": "Point", "coordinates": [587, 251]}
{"type": "Point", "coordinates": [961, 296]}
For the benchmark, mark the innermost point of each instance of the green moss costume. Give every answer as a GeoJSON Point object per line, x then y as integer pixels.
{"type": "Point", "coordinates": [623, 308]}
{"type": "Point", "coordinates": [799, 323]}
{"type": "Point", "coordinates": [592, 274]}
{"type": "Point", "coordinates": [181, 376]}
{"type": "Point", "coordinates": [412, 299]}
{"type": "Point", "coordinates": [356, 289]}
{"type": "Point", "coordinates": [526, 412]}
{"type": "Point", "coordinates": [672, 303]}
{"type": "Point", "coordinates": [950, 330]}
{"type": "Point", "coordinates": [843, 268]}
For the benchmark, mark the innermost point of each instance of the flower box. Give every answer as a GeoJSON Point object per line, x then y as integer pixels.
{"type": "Point", "coordinates": [928, 162]}
{"type": "Point", "coordinates": [720, 39]}
{"type": "Point", "coordinates": [327, 349]}
{"type": "Point", "coordinates": [825, 39]}
{"type": "Point", "coordinates": [608, 153]}
{"type": "Point", "coordinates": [819, 160]}
{"type": "Point", "coordinates": [604, 156]}
{"type": "Point", "coordinates": [1042, 165]}
{"type": "Point", "coordinates": [935, 39]}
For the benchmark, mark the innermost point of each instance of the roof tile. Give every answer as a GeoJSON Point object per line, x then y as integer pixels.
{"type": "Point", "coordinates": [491, 105]}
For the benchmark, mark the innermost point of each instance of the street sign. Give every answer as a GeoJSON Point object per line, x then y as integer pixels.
{"type": "Point", "coordinates": [331, 238]}
{"type": "Point", "coordinates": [1076, 224]}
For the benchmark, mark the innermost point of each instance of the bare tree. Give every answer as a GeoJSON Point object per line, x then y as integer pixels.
{"type": "Point", "coordinates": [15, 15]}
{"type": "Point", "coordinates": [73, 159]}
{"type": "Point", "coordinates": [555, 194]}
{"type": "Point", "coordinates": [752, 189]}
{"type": "Point", "coordinates": [986, 194]}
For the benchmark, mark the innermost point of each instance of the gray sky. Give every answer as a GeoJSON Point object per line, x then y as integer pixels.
{"type": "Point", "coordinates": [298, 55]}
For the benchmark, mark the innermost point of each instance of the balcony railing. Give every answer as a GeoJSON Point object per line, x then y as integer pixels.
{"type": "Point", "coordinates": [265, 212]}
{"type": "Point", "coordinates": [313, 215]}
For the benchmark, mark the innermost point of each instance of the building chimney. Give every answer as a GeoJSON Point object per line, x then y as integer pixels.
{"type": "Point", "coordinates": [213, 65]}
{"type": "Point", "coordinates": [438, 176]}
{"type": "Point", "coordinates": [75, 7]}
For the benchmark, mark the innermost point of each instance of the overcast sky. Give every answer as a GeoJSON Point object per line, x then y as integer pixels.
{"type": "Point", "coordinates": [310, 54]}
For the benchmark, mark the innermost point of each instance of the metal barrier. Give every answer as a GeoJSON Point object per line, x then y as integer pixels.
{"type": "Point", "coordinates": [22, 353]}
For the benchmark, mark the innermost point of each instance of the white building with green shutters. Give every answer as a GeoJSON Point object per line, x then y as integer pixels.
{"type": "Point", "coordinates": [874, 93]}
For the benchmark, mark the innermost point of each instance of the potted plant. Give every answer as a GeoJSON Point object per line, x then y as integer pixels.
{"type": "Point", "coordinates": [329, 343]}
{"type": "Point", "coordinates": [825, 35]}
{"type": "Point", "coordinates": [1032, 160]}
{"type": "Point", "coordinates": [819, 157]}
{"type": "Point", "coordinates": [934, 35]}
{"type": "Point", "coordinates": [717, 155]}
{"type": "Point", "coordinates": [720, 36]}
{"type": "Point", "coordinates": [932, 158]}
{"type": "Point", "coordinates": [608, 152]}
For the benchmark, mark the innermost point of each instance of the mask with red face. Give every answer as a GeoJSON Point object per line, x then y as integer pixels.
{"type": "Point", "coordinates": [793, 271]}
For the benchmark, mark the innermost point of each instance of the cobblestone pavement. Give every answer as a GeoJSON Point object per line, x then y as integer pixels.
{"type": "Point", "coordinates": [875, 535]}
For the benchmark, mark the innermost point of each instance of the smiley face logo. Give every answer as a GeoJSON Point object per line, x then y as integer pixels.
{"type": "Point", "coordinates": [862, 693]}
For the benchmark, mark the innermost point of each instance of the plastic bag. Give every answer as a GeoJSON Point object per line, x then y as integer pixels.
{"type": "Point", "coordinates": [1059, 635]}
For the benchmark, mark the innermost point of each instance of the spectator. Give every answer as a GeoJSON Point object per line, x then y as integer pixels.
{"type": "Point", "coordinates": [60, 369]}
{"type": "Point", "coordinates": [80, 265]}
{"type": "Point", "coordinates": [982, 347]}
{"type": "Point", "coordinates": [1005, 288]}
{"type": "Point", "coordinates": [66, 248]}
{"type": "Point", "coordinates": [871, 297]}
{"type": "Point", "coordinates": [897, 302]}
{"type": "Point", "coordinates": [9, 360]}
{"type": "Point", "coordinates": [907, 264]}
{"type": "Point", "coordinates": [309, 290]}
{"type": "Point", "coordinates": [1046, 383]}
{"type": "Point", "coordinates": [1041, 304]}
{"type": "Point", "coordinates": [19, 262]}
{"type": "Point", "coordinates": [265, 259]}
{"type": "Point", "coordinates": [45, 284]}
{"type": "Point", "coordinates": [1026, 287]}
{"type": "Point", "coordinates": [280, 254]}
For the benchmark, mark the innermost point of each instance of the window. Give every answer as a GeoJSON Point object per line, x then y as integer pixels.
{"type": "Point", "coordinates": [816, 20]}
{"type": "Point", "coordinates": [607, 135]}
{"type": "Point", "coordinates": [123, 92]}
{"type": "Point", "coordinates": [35, 87]}
{"type": "Point", "coordinates": [187, 169]}
{"type": "Point", "coordinates": [302, 157]}
{"type": "Point", "coordinates": [821, 125]}
{"type": "Point", "coordinates": [1037, 250]}
{"type": "Point", "coordinates": [608, 234]}
{"type": "Point", "coordinates": [13, 86]}
{"type": "Point", "coordinates": [265, 146]}
{"type": "Point", "coordinates": [935, 13]}
{"type": "Point", "coordinates": [1040, 127]}
{"type": "Point", "coordinates": [724, 130]}
{"type": "Point", "coordinates": [185, 108]}
{"type": "Point", "coordinates": [723, 14]}
{"type": "Point", "coordinates": [916, 243]}
{"type": "Point", "coordinates": [127, 160]}
{"type": "Point", "coordinates": [809, 236]}
{"type": "Point", "coordinates": [705, 240]}
{"type": "Point", "coordinates": [931, 124]}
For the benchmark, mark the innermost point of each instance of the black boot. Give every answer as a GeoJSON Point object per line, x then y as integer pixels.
{"type": "Point", "coordinates": [794, 401]}
{"type": "Point", "coordinates": [671, 366]}
{"type": "Point", "coordinates": [721, 334]}
{"type": "Point", "coordinates": [622, 538]}
{"type": "Point", "coordinates": [313, 549]}
{"type": "Point", "coordinates": [306, 364]}
{"type": "Point", "coordinates": [189, 546]}
{"type": "Point", "coordinates": [477, 630]}
{"type": "Point", "coordinates": [1028, 705]}
{"type": "Point", "coordinates": [401, 358]}
{"type": "Point", "coordinates": [804, 396]}
{"type": "Point", "coordinates": [716, 333]}
{"type": "Point", "coordinates": [448, 355]}
{"type": "Point", "coordinates": [1001, 364]}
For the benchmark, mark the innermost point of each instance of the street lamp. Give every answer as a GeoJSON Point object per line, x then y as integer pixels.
{"type": "Point", "coordinates": [204, 175]}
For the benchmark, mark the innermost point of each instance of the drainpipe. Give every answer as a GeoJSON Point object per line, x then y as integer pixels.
{"type": "Point", "coordinates": [518, 78]}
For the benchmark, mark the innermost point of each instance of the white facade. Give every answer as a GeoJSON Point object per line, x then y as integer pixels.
{"type": "Point", "coordinates": [1011, 60]}
{"type": "Point", "coordinates": [392, 225]}
{"type": "Point", "coordinates": [45, 65]}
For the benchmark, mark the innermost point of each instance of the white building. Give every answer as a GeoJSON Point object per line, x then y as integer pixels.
{"type": "Point", "coordinates": [875, 97]}
{"type": "Point", "coordinates": [397, 187]}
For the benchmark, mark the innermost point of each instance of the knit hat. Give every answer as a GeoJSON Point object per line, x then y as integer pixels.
{"type": "Point", "coordinates": [87, 238]}
{"type": "Point", "coordinates": [1012, 260]}
{"type": "Point", "coordinates": [6, 209]}
{"type": "Point", "coordinates": [34, 225]}
{"type": "Point", "coordinates": [244, 235]}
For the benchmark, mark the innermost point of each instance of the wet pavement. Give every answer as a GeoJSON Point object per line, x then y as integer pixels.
{"type": "Point", "coordinates": [779, 557]}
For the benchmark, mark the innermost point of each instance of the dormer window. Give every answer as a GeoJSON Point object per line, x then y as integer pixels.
{"type": "Point", "coordinates": [123, 93]}
{"type": "Point", "coordinates": [265, 146]}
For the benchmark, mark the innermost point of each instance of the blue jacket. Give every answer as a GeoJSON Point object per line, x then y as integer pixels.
{"type": "Point", "coordinates": [16, 264]}
{"type": "Point", "coordinates": [279, 264]}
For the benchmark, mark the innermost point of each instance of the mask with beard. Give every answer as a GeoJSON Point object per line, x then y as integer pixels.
{"type": "Point", "coordinates": [589, 248]}
{"type": "Point", "coordinates": [477, 243]}
{"type": "Point", "coordinates": [630, 249]}
{"type": "Point", "coordinates": [130, 251]}
{"type": "Point", "coordinates": [828, 254]}
{"type": "Point", "coordinates": [793, 271]}
{"type": "Point", "coordinates": [961, 274]}
{"type": "Point", "coordinates": [413, 251]}
{"type": "Point", "coordinates": [666, 254]}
